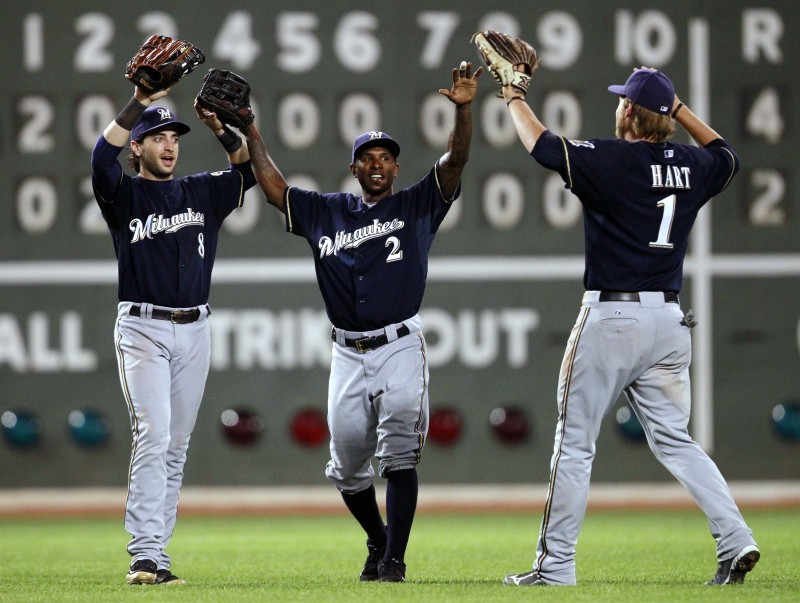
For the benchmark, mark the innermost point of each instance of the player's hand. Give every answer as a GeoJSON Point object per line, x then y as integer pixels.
{"type": "Point", "coordinates": [465, 84]}
{"type": "Point", "coordinates": [209, 118]}
{"type": "Point", "coordinates": [146, 99]}
{"type": "Point", "coordinates": [508, 91]}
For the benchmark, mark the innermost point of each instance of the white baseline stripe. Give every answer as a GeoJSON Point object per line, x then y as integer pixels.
{"type": "Point", "coordinates": [457, 268]}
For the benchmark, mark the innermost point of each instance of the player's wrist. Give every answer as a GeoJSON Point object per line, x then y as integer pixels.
{"type": "Point", "coordinates": [510, 94]}
{"type": "Point", "coordinates": [229, 140]}
{"type": "Point", "coordinates": [130, 113]}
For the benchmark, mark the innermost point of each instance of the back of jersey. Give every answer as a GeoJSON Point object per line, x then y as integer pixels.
{"type": "Point", "coordinates": [640, 201]}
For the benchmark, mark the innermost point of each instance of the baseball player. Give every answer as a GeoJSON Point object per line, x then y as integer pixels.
{"type": "Point", "coordinates": [640, 197]}
{"type": "Point", "coordinates": [165, 232]}
{"type": "Point", "coordinates": [371, 259]}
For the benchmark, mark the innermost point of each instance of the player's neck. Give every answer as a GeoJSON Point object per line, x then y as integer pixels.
{"type": "Point", "coordinates": [630, 137]}
{"type": "Point", "coordinates": [148, 175]}
{"type": "Point", "coordinates": [370, 199]}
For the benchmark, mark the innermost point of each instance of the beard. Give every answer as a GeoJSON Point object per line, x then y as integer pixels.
{"type": "Point", "coordinates": [154, 167]}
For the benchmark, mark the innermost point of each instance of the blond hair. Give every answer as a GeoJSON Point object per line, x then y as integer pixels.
{"type": "Point", "coordinates": [650, 125]}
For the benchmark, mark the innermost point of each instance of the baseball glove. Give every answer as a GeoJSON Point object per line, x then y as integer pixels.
{"type": "Point", "coordinates": [501, 52]}
{"type": "Point", "coordinates": [227, 95]}
{"type": "Point", "coordinates": [161, 62]}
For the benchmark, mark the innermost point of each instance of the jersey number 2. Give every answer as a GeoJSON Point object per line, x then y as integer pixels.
{"type": "Point", "coordinates": [668, 203]}
{"type": "Point", "coordinates": [396, 253]}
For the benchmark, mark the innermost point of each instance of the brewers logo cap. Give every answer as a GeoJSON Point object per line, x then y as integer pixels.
{"type": "Point", "coordinates": [157, 118]}
{"type": "Point", "coordinates": [651, 89]}
{"type": "Point", "coordinates": [375, 139]}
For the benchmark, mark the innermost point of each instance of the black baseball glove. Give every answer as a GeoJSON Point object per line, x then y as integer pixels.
{"type": "Point", "coordinates": [227, 95]}
{"type": "Point", "coordinates": [161, 62]}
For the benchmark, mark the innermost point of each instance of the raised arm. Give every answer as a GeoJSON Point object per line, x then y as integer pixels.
{"type": "Point", "coordinates": [118, 132]}
{"type": "Point", "coordinates": [512, 63]}
{"type": "Point", "coordinates": [267, 173]}
{"type": "Point", "coordinates": [528, 126]}
{"type": "Point", "coordinates": [231, 142]}
{"type": "Point", "coordinates": [106, 169]}
{"type": "Point", "coordinates": [451, 164]}
{"type": "Point", "coordinates": [699, 130]}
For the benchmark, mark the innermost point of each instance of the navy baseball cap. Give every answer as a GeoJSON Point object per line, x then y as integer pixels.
{"type": "Point", "coordinates": [651, 89]}
{"type": "Point", "coordinates": [375, 139]}
{"type": "Point", "coordinates": [157, 118]}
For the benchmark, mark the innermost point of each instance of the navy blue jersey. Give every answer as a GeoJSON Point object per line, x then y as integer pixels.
{"type": "Point", "coordinates": [165, 232]}
{"type": "Point", "coordinates": [371, 262]}
{"type": "Point", "coordinates": [640, 200]}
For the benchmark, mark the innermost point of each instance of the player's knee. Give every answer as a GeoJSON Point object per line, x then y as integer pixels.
{"type": "Point", "coordinates": [152, 440]}
{"type": "Point", "coordinates": [349, 481]}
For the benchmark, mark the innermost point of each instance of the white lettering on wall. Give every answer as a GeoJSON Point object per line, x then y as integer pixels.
{"type": "Point", "coordinates": [762, 33]}
{"type": "Point", "coordinates": [32, 347]}
{"type": "Point", "coordinates": [478, 339]}
{"type": "Point", "coordinates": [261, 339]}
{"type": "Point", "coordinates": [252, 339]}
{"type": "Point", "coordinates": [257, 339]}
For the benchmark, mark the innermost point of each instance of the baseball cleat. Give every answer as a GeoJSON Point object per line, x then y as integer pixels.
{"type": "Point", "coordinates": [142, 571]}
{"type": "Point", "coordinates": [391, 571]}
{"type": "Point", "coordinates": [733, 570]}
{"type": "Point", "coordinates": [370, 571]}
{"type": "Point", "coordinates": [528, 579]}
{"type": "Point", "coordinates": [164, 576]}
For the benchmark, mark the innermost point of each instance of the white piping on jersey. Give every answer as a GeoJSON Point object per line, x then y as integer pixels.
{"type": "Point", "coordinates": [241, 189]}
{"type": "Point", "coordinates": [288, 208]}
{"type": "Point", "coordinates": [566, 161]}
{"type": "Point", "coordinates": [439, 184]}
{"type": "Point", "coordinates": [733, 169]}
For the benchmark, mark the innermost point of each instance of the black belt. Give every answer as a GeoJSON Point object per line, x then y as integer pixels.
{"type": "Point", "coordinates": [365, 344]}
{"type": "Point", "coordinates": [670, 297]}
{"type": "Point", "coordinates": [180, 317]}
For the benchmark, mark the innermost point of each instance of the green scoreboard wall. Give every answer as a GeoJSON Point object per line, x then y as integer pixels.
{"type": "Point", "coordinates": [506, 272]}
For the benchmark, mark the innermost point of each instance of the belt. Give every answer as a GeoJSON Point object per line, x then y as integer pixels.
{"type": "Point", "coordinates": [179, 317]}
{"type": "Point", "coordinates": [365, 344]}
{"type": "Point", "coordinates": [670, 297]}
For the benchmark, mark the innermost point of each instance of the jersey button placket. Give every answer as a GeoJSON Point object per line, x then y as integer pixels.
{"type": "Point", "coordinates": [359, 280]}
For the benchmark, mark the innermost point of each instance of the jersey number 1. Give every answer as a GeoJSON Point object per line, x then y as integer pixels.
{"type": "Point", "coordinates": [668, 203]}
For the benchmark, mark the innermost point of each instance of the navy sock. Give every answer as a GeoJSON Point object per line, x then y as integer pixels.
{"type": "Point", "coordinates": [364, 507]}
{"type": "Point", "coordinates": [401, 504]}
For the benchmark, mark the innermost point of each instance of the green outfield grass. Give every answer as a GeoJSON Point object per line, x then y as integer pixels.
{"type": "Point", "coordinates": [641, 557]}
